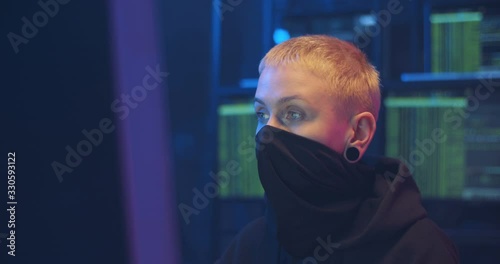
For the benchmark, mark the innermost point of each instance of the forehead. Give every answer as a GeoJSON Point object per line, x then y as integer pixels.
{"type": "Point", "coordinates": [283, 81]}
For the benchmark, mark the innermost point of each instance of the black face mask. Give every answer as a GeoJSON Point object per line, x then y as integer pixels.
{"type": "Point", "coordinates": [312, 190]}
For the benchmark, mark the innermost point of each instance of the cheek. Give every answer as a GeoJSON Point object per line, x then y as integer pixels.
{"type": "Point", "coordinates": [335, 138]}
{"type": "Point", "coordinates": [335, 142]}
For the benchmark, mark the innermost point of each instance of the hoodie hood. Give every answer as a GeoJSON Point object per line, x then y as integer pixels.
{"type": "Point", "coordinates": [393, 206]}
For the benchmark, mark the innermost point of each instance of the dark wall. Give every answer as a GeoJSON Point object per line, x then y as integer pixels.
{"type": "Point", "coordinates": [58, 84]}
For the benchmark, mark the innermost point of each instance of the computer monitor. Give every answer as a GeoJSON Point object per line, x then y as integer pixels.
{"type": "Point", "coordinates": [448, 133]}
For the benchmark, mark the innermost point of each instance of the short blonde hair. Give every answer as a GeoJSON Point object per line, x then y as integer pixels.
{"type": "Point", "coordinates": [351, 78]}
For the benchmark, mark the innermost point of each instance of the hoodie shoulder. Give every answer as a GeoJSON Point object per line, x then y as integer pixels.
{"type": "Point", "coordinates": [424, 242]}
{"type": "Point", "coordinates": [245, 245]}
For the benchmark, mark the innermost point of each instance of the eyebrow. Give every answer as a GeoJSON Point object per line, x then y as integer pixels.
{"type": "Point", "coordinates": [281, 100]}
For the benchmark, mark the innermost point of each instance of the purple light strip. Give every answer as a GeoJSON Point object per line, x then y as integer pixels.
{"type": "Point", "coordinates": [148, 181]}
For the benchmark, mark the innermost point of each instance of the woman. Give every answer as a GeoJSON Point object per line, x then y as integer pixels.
{"type": "Point", "coordinates": [317, 103]}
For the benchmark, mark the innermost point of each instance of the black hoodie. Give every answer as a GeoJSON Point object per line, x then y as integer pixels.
{"type": "Point", "coordinates": [375, 215]}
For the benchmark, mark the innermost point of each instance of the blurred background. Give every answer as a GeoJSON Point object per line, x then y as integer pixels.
{"type": "Point", "coordinates": [132, 125]}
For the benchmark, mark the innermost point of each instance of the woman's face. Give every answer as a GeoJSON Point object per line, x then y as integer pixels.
{"type": "Point", "coordinates": [297, 101]}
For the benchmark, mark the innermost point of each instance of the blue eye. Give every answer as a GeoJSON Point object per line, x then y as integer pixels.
{"type": "Point", "coordinates": [261, 116]}
{"type": "Point", "coordinates": [294, 115]}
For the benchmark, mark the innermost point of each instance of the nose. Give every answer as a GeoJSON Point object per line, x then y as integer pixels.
{"type": "Point", "coordinates": [272, 121]}
{"type": "Point", "coordinates": [275, 122]}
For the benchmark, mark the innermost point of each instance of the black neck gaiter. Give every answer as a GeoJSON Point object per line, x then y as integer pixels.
{"type": "Point", "coordinates": [312, 190]}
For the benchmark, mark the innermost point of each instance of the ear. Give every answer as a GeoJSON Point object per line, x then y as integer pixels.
{"type": "Point", "coordinates": [363, 126]}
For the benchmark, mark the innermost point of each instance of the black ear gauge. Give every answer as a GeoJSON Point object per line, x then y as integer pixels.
{"type": "Point", "coordinates": [351, 154]}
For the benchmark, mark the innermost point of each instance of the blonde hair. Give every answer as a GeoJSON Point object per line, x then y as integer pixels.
{"type": "Point", "coordinates": [351, 78]}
